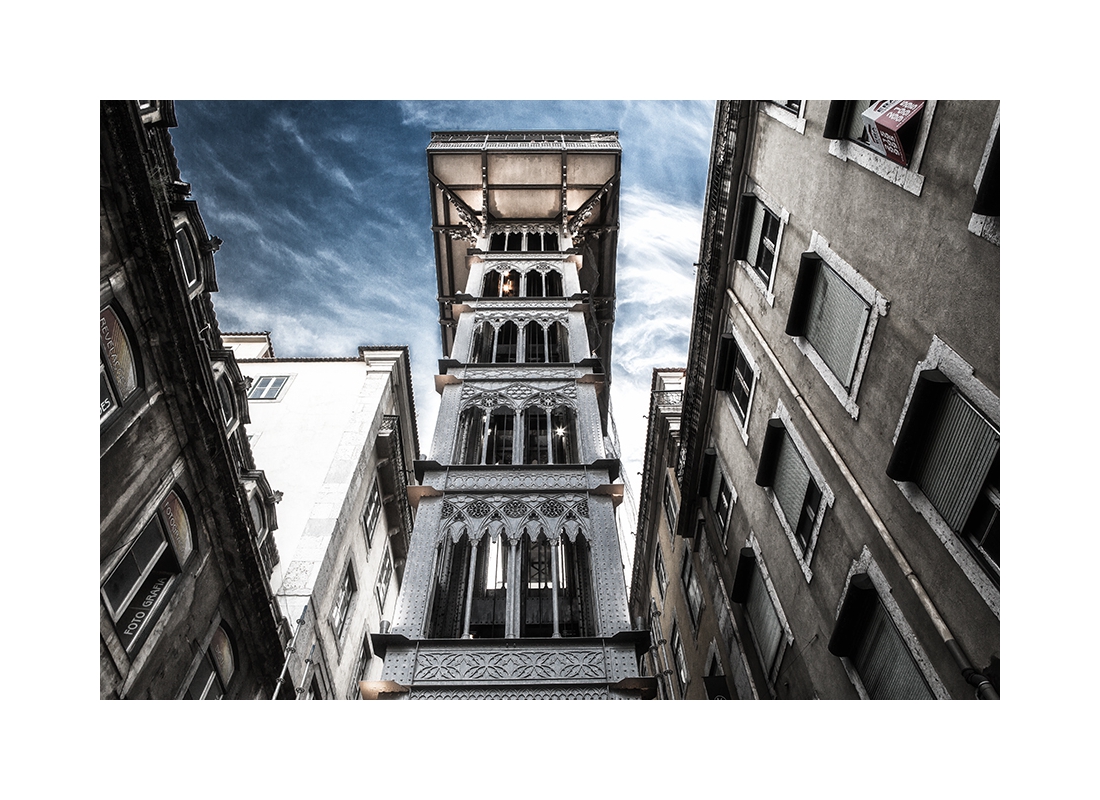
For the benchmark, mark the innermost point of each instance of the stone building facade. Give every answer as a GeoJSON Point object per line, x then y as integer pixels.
{"type": "Point", "coordinates": [337, 438]}
{"type": "Point", "coordinates": [838, 479]}
{"type": "Point", "coordinates": [186, 610]}
{"type": "Point", "coordinates": [514, 586]}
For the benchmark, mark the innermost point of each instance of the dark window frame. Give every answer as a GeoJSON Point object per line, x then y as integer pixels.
{"type": "Point", "coordinates": [268, 387]}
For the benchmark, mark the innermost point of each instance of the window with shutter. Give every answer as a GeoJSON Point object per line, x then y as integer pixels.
{"type": "Point", "coordinates": [835, 323]}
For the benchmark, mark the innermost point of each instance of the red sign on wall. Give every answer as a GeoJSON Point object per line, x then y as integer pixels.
{"type": "Point", "coordinates": [888, 124]}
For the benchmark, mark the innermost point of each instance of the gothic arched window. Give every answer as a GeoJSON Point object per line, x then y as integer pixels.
{"type": "Point", "coordinates": [557, 343]}
{"type": "Point", "coordinates": [509, 284]}
{"type": "Point", "coordinates": [534, 283]}
{"type": "Point", "coordinates": [534, 350]}
{"type": "Point", "coordinates": [555, 588]}
{"type": "Point", "coordinates": [489, 606]}
{"type": "Point", "coordinates": [553, 284]}
{"type": "Point", "coordinates": [507, 343]}
{"type": "Point", "coordinates": [498, 437]}
{"type": "Point", "coordinates": [536, 437]}
{"type": "Point", "coordinates": [471, 430]}
{"type": "Point", "coordinates": [490, 287]}
{"type": "Point", "coordinates": [481, 348]}
{"type": "Point", "coordinates": [550, 437]}
{"type": "Point", "coordinates": [563, 434]}
{"type": "Point", "coordinates": [449, 593]}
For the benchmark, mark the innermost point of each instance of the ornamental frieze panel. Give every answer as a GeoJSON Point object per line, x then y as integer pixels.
{"type": "Point", "coordinates": [497, 317]}
{"type": "Point", "coordinates": [514, 693]}
{"type": "Point", "coordinates": [490, 373]}
{"type": "Point", "coordinates": [512, 516]}
{"type": "Point", "coordinates": [519, 396]}
{"type": "Point", "coordinates": [536, 665]}
{"type": "Point", "coordinates": [534, 480]}
{"type": "Point", "coordinates": [523, 266]}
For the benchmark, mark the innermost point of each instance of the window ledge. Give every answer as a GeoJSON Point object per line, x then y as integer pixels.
{"type": "Point", "coordinates": [951, 542]}
{"type": "Point", "coordinates": [988, 228]}
{"type": "Point", "coordinates": [909, 180]}
{"type": "Point", "coordinates": [786, 117]}
{"type": "Point", "coordinates": [757, 281]}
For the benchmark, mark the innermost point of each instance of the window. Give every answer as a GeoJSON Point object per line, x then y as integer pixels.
{"type": "Point", "coordinates": [888, 127]}
{"type": "Point", "coordinates": [692, 590]}
{"type": "Point", "coordinates": [752, 588]}
{"type": "Point", "coordinates": [757, 241]}
{"type": "Point", "coordinates": [118, 364]}
{"type": "Point", "coordinates": [509, 284]}
{"type": "Point", "coordinates": [554, 284]}
{"type": "Point", "coordinates": [371, 511]}
{"type": "Point", "coordinates": [268, 387]}
{"type": "Point", "coordinates": [557, 343]}
{"type": "Point", "coordinates": [951, 451]}
{"type": "Point", "coordinates": [493, 588]}
{"type": "Point", "coordinates": [736, 375]}
{"type": "Point", "coordinates": [215, 668]}
{"type": "Point", "coordinates": [205, 685]}
{"type": "Point", "coordinates": [341, 604]}
{"type": "Point", "coordinates": [717, 488]}
{"type": "Point", "coordinates": [382, 584]}
{"type": "Point", "coordinates": [985, 218]}
{"type": "Point", "coordinates": [499, 435]}
{"type": "Point", "coordinates": [664, 691]}
{"type": "Point", "coordinates": [795, 486]}
{"type": "Point", "coordinates": [867, 636]}
{"type": "Point", "coordinates": [723, 501]}
{"type": "Point", "coordinates": [515, 241]}
{"type": "Point", "coordinates": [833, 316]}
{"type": "Point", "coordinates": [889, 141]}
{"type": "Point", "coordinates": [789, 112]}
{"type": "Point", "coordinates": [359, 672]}
{"type": "Point", "coordinates": [225, 399]}
{"type": "Point", "coordinates": [679, 658]}
{"type": "Point", "coordinates": [136, 588]}
{"type": "Point", "coordinates": [259, 517]}
{"type": "Point", "coordinates": [671, 501]}
{"type": "Point", "coordinates": [535, 345]}
{"type": "Point", "coordinates": [550, 436]}
{"type": "Point", "coordinates": [796, 492]}
{"type": "Point", "coordinates": [186, 252]}
{"type": "Point", "coordinates": [662, 574]}
{"type": "Point", "coordinates": [481, 347]}
{"type": "Point", "coordinates": [506, 344]}
{"type": "Point", "coordinates": [534, 283]}
{"type": "Point", "coordinates": [830, 314]}
{"type": "Point", "coordinates": [485, 439]}
{"type": "Point", "coordinates": [538, 342]}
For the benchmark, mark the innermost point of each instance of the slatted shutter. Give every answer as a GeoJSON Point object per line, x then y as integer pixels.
{"type": "Point", "coordinates": [766, 626]}
{"type": "Point", "coordinates": [835, 323]}
{"type": "Point", "coordinates": [961, 449]}
{"type": "Point", "coordinates": [755, 229]}
{"type": "Point", "coordinates": [792, 479]}
{"type": "Point", "coordinates": [885, 664]}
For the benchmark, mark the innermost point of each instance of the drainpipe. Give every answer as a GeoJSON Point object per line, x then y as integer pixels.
{"type": "Point", "coordinates": [289, 650]}
{"type": "Point", "coordinates": [984, 689]}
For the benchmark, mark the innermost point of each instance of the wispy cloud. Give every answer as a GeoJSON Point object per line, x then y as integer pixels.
{"type": "Point", "coordinates": [323, 208]}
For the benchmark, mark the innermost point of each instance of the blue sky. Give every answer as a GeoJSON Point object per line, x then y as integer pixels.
{"type": "Point", "coordinates": [323, 210]}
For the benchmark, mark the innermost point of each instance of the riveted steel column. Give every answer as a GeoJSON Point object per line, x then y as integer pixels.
{"type": "Point", "coordinates": [512, 589]}
{"type": "Point", "coordinates": [470, 591]}
{"type": "Point", "coordinates": [555, 580]}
